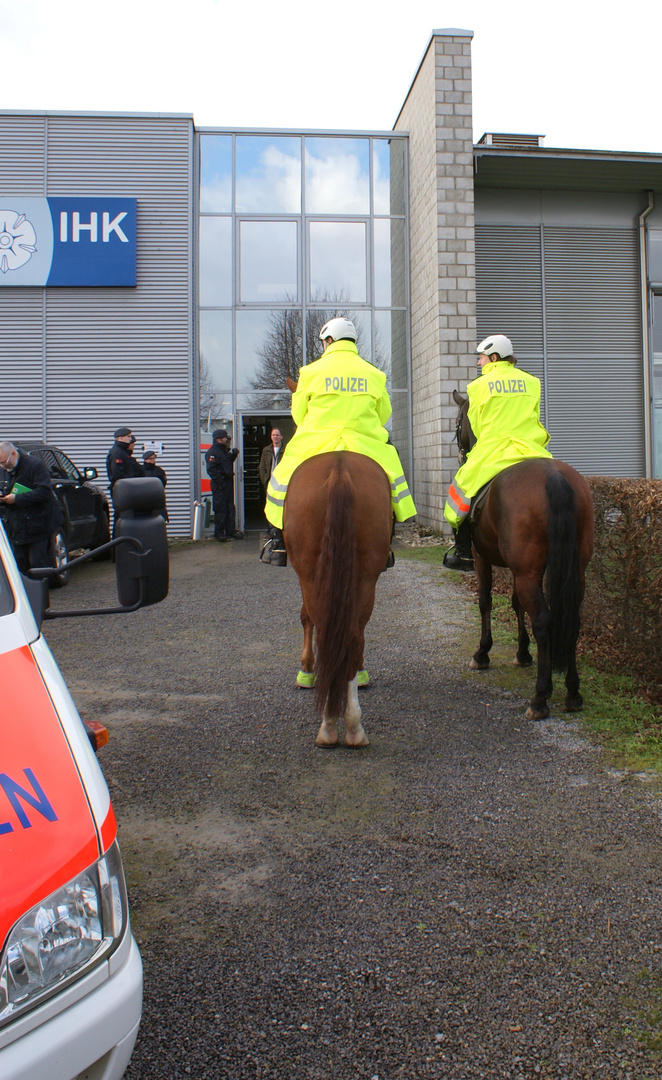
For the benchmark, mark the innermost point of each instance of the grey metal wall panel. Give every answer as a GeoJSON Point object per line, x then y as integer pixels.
{"type": "Point", "coordinates": [21, 363]}
{"type": "Point", "coordinates": [120, 355]}
{"type": "Point", "coordinates": [572, 308]}
{"type": "Point", "coordinates": [23, 156]}
{"type": "Point", "coordinates": [509, 286]}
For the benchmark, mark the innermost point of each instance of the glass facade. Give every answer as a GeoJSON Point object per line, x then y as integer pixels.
{"type": "Point", "coordinates": [294, 229]}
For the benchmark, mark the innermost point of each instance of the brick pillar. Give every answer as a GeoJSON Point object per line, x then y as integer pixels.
{"type": "Point", "coordinates": [437, 115]}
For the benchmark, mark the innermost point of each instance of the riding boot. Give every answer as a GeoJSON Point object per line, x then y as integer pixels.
{"type": "Point", "coordinates": [460, 557]}
{"type": "Point", "coordinates": [391, 557]}
{"type": "Point", "coordinates": [273, 551]}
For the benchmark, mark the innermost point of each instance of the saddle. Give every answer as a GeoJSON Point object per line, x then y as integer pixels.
{"type": "Point", "coordinates": [478, 501]}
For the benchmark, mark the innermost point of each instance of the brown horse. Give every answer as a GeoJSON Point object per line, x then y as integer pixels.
{"type": "Point", "coordinates": [337, 529]}
{"type": "Point", "coordinates": [538, 521]}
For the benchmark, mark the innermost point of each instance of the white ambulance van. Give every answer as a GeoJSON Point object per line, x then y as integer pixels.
{"type": "Point", "coordinates": [70, 970]}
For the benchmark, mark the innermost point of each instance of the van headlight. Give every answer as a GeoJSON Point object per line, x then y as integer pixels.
{"type": "Point", "coordinates": [64, 936]}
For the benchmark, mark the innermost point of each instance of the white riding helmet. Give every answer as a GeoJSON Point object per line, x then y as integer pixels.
{"type": "Point", "coordinates": [338, 328]}
{"type": "Point", "coordinates": [496, 343]}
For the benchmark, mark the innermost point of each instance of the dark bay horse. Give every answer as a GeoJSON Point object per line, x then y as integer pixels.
{"type": "Point", "coordinates": [537, 520]}
{"type": "Point", "coordinates": [337, 529]}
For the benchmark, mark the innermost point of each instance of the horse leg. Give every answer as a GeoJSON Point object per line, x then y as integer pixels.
{"type": "Point", "coordinates": [306, 676]}
{"type": "Point", "coordinates": [523, 657]}
{"type": "Point", "coordinates": [327, 736]}
{"type": "Point", "coordinates": [573, 699]}
{"type": "Point", "coordinates": [481, 659]}
{"type": "Point", "coordinates": [355, 735]}
{"type": "Point", "coordinates": [533, 600]}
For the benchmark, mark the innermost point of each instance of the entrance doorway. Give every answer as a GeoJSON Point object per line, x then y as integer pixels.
{"type": "Point", "coordinates": [256, 434]}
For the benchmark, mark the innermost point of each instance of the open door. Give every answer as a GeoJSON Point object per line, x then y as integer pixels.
{"type": "Point", "coordinates": [256, 434]}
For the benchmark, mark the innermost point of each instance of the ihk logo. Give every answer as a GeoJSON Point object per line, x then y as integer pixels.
{"type": "Point", "coordinates": [78, 227]}
{"type": "Point", "coordinates": [18, 240]}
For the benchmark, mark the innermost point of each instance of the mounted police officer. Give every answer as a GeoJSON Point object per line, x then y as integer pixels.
{"type": "Point", "coordinates": [341, 403]}
{"type": "Point", "coordinates": [220, 460]}
{"type": "Point", "coordinates": [504, 413]}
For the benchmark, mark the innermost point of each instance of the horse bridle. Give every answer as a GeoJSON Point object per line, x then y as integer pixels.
{"type": "Point", "coordinates": [462, 454]}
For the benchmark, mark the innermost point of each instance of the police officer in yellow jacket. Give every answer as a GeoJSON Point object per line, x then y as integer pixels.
{"type": "Point", "coordinates": [504, 413]}
{"type": "Point", "coordinates": [341, 403]}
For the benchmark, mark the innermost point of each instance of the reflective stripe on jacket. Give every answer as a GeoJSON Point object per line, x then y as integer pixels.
{"type": "Point", "coordinates": [341, 403]}
{"type": "Point", "coordinates": [504, 413]}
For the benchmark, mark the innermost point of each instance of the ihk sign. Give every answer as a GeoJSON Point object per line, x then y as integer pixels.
{"type": "Point", "coordinates": [68, 241]}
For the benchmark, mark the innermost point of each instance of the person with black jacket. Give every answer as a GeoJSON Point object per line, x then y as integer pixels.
{"type": "Point", "coordinates": [32, 511]}
{"type": "Point", "coordinates": [120, 465]}
{"type": "Point", "coordinates": [220, 460]}
{"type": "Point", "coordinates": [152, 469]}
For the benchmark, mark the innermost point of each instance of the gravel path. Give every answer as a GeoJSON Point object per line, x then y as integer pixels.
{"type": "Point", "coordinates": [471, 896]}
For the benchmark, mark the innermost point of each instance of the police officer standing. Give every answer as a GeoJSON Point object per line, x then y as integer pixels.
{"type": "Point", "coordinates": [220, 460]}
{"type": "Point", "coordinates": [120, 465]}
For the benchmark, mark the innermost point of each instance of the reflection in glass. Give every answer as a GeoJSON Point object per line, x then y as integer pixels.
{"type": "Point", "coordinates": [215, 261]}
{"type": "Point", "coordinates": [268, 259]}
{"type": "Point", "coordinates": [655, 256]}
{"type": "Point", "coordinates": [388, 171]}
{"type": "Point", "coordinates": [216, 173]}
{"type": "Point", "coordinates": [215, 351]}
{"type": "Point", "coordinates": [268, 174]}
{"type": "Point", "coordinates": [276, 400]}
{"type": "Point", "coordinates": [390, 262]}
{"type": "Point", "coordinates": [390, 347]}
{"type": "Point", "coordinates": [338, 260]}
{"type": "Point", "coordinates": [269, 348]}
{"type": "Point", "coordinates": [317, 317]}
{"type": "Point", "coordinates": [337, 176]}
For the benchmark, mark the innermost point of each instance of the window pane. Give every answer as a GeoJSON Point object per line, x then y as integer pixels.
{"type": "Point", "coordinates": [215, 261]}
{"type": "Point", "coordinates": [390, 262]}
{"type": "Point", "coordinates": [388, 170]}
{"type": "Point", "coordinates": [655, 256]}
{"type": "Point", "coordinates": [337, 176]}
{"type": "Point", "coordinates": [317, 317]}
{"type": "Point", "coordinates": [390, 347]}
{"type": "Point", "coordinates": [215, 352]}
{"type": "Point", "coordinates": [268, 348]}
{"type": "Point", "coordinates": [268, 174]}
{"type": "Point", "coordinates": [216, 173]}
{"type": "Point", "coordinates": [338, 262]}
{"type": "Point", "coordinates": [268, 261]}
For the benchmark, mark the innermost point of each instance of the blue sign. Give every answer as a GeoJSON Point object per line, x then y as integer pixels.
{"type": "Point", "coordinates": [67, 241]}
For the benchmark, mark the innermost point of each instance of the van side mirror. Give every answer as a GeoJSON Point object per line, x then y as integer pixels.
{"type": "Point", "coordinates": [138, 502]}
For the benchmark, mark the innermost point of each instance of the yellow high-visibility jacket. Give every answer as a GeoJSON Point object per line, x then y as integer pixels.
{"type": "Point", "coordinates": [341, 403]}
{"type": "Point", "coordinates": [504, 413]}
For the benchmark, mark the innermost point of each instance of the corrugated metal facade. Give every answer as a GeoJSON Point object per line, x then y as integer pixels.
{"type": "Point", "coordinates": [570, 300]}
{"type": "Point", "coordinates": [79, 362]}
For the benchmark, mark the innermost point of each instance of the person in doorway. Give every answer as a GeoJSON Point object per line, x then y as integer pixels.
{"type": "Point", "coordinates": [504, 413]}
{"type": "Point", "coordinates": [220, 460]}
{"type": "Point", "coordinates": [152, 469]}
{"type": "Point", "coordinates": [341, 403]}
{"type": "Point", "coordinates": [29, 506]}
{"type": "Point", "coordinates": [271, 455]}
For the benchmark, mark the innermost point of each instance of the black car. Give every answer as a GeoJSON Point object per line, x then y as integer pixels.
{"type": "Point", "coordinates": [85, 506]}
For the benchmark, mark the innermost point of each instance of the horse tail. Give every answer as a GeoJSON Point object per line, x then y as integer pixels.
{"type": "Point", "coordinates": [563, 584]}
{"type": "Point", "coordinates": [336, 586]}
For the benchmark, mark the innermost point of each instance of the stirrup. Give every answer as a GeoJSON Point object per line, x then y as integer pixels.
{"type": "Point", "coordinates": [273, 555]}
{"type": "Point", "coordinates": [455, 560]}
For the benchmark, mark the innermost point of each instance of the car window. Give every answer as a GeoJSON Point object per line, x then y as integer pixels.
{"type": "Point", "coordinates": [67, 465]}
{"type": "Point", "coordinates": [51, 463]}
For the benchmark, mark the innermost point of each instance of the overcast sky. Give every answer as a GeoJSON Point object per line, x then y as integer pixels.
{"type": "Point", "coordinates": [571, 71]}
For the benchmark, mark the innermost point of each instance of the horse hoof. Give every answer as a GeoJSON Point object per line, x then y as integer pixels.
{"type": "Point", "coordinates": [574, 704]}
{"type": "Point", "coordinates": [475, 666]}
{"type": "Point", "coordinates": [536, 714]}
{"type": "Point", "coordinates": [327, 736]}
{"type": "Point", "coordinates": [362, 678]}
{"type": "Point", "coordinates": [356, 740]}
{"type": "Point", "coordinates": [526, 662]}
{"type": "Point", "coordinates": [306, 678]}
